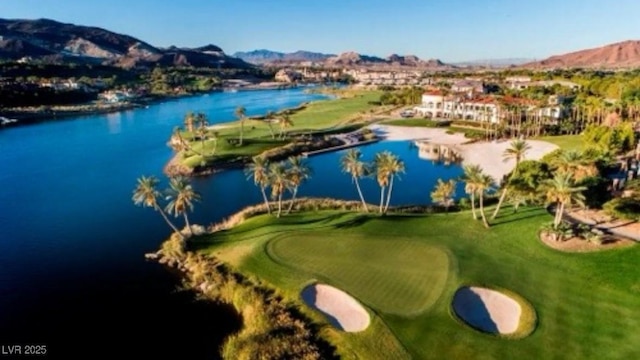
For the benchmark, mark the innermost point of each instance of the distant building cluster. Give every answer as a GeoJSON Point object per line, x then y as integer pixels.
{"type": "Point", "coordinates": [388, 78]}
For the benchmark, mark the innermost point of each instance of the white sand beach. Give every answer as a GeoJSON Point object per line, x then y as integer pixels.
{"type": "Point", "coordinates": [488, 155]}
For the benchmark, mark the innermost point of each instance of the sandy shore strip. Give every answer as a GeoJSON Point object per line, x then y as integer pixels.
{"type": "Point", "coordinates": [488, 310]}
{"type": "Point", "coordinates": [488, 155]}
{"type": "Point", "coordinates": [343, 311]}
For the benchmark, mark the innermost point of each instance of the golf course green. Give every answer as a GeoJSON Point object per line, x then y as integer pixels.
{"type": "Point", "coordinates": [405, 269]}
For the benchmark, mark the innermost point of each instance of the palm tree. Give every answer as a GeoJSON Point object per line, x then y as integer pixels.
{"type": "Point", "coordinates": [382, 174]}
{"type": "Point", "coordinates": [576, 165]}
{"type": "Point", "coordinates": [181, 196]}
{"type": "Point", "coordinates": [202, 131]}
{"type": "Point", "coordinates": [146, 194]}
{"type": "Point", "coordinates": [259, 171]}
{"type": "Point", "coordinates": [202, 134]}
{"type": "Point", "coordinates": [517, 150]}
{"type": "Point", "coordinates": [241, 113]}
{"type": "Point", "coordinates": [176, 142]}
{"type": "Point", "coordinates": [483, 185]}
{"type": "Point", "coordinates": [189, 120]}
{"type": "Point", "coordinates": [214, 136]}
{"type": "Point", "coordinates": [269, 119]}
{"type": "Point", "coordinates": [285, 123]}
{"type": "Point", "coordinates": [471, 177]}
{"type": "Point", "coordinates": [443, 193]}
{"type": "Point", "coordinates": [297, 173]}
{"type": "Point", "coordinates": [352, 165]}
{"type": "Point", "coordinates": [387, 166]}
{"type": "Point", "coordinates": [279, 181]}
{"type": "Point", "coordinates": [562, 191]}
{"type": "Point", "coordinates": [396, 167]}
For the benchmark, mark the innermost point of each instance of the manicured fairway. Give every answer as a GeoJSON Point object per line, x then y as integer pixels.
{"type": "Point", "coordinates": [565, 142]}
{"type": "Point", "coordinates": [395, 276]}
{"type": "Point", "coordinates": [588, 305]}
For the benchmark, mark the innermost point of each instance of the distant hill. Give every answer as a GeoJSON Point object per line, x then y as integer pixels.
{"type": "Point", "coordinates": [353, 58]}
{"type": "Point", "coordinates": [394, 60]}
{"type": "Point", "coordinates": [624, 54]}
{"type": "Point", "coordinates": [56, 42]}
{"type": "Point", "coordinates": [264, 56]}
{"type": "Point", "coordinates": [495, 63]}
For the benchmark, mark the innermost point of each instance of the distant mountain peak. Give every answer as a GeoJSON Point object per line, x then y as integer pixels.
{"type": "Point", "coordinates": [623, 54]}
{"type": "Point", "coordinates": [53, 41]}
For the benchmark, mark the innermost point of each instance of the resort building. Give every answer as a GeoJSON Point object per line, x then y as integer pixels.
{"type": "Point", "coordinates": [390, 78]}
{"type": "Point", "coordinates": [484, 108]}
{"type": "Point", "coordinates": [288, 76]}
{"type": "Point", "coordinates": [518, 82]}
{"type": "Point", "coordinates": [436, 105]}
{"type": "Point", "coordinates": [468, 86]}
{"type": "Point", "coordinates": [116, 96]}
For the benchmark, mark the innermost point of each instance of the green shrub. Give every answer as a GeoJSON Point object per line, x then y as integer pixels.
{"type": "Point", "coordinates": [624, 208]}
{"type": "Point", "coordinates": [470, 123]}
{"type": "Point", "coordinates": [464, 204]}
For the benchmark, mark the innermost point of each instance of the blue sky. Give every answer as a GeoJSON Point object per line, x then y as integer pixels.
{"type": "Point", "coordinates": [452, 30]}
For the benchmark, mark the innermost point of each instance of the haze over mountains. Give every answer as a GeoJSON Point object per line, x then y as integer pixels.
{"type": "Point", "coordinates": [51, 41]}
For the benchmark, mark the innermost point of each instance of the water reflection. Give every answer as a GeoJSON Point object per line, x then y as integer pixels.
{"type": "Point", "coordinates": [438, 153]}
{"type": "Point", "coordinates": [114, 121]}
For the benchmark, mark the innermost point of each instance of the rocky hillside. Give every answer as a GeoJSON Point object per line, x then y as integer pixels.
{"type": "Point", "coordinates": [354, 59]}
{"type": "Point", "coordinates": [624, 54]}
{"type": "Point", "coordinates": [56, 42]}
{"type": "Point", "coordinates": [269, 57]}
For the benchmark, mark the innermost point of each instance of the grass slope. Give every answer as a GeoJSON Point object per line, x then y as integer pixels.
{"type": "Point", "coordinates": [588, 305]}
{"type": "Point", "coordinates": [565, 142]}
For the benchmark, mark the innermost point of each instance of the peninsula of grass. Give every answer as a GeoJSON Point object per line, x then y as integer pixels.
{"type": "Point", "coordinates": [406, 269]}
{"type": "Point", "coordinates": [315, 119]}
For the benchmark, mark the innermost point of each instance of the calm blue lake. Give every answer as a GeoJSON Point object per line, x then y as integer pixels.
{"type": "Point", "coordinates": [72, 245]}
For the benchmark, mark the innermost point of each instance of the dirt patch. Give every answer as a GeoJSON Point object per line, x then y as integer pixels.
{"type": "Point", "coordinates": [598, 218]}
{"type": "Point", "coordinates": [343, 311]}
{"type": "Point", "coordinates": [487, 310]}
{"type": "Point", "coordinates": [576, 244]}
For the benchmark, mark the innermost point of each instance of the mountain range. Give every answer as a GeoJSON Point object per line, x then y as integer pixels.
{"type": "Point", "coordinates": [55, 42]}
{"type": "Point", "coordinates": [494, 63]}
{"type": "Point", "coordinates": [624, 54]}
{"type": "Point", "coordinates": [264, 56]}
{"type": "Point", "coordinates": [351, 58]}
{"type": "Point", "coordinates": [51, 41]}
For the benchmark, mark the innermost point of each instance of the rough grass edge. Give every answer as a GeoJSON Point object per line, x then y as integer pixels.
{"type": "Point", "coordinates": [322, 204]}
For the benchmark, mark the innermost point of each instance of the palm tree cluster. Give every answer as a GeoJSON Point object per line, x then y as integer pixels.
{"type": "Point", "coordinates": [197, 124]}
{"type": "Point", "coordinates": [385, 168]}
{"type": "Point", "coordinates": [180, 197]}
{"type": "Point", "coordinates": [557, 183]}
{"type": "Point", "coordinates": [478, 184]}
{"type": "Point", "coordinates": [280, 177]}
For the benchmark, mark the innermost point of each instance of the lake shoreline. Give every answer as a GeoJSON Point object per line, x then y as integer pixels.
{"type": "Point", "coordinates": [28, 117]}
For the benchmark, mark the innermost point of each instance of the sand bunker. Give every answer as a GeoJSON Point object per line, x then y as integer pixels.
{"type": "Point", "coordinates": [343, 311]}
{"type": "Point", "coordinates": [487, 310]}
